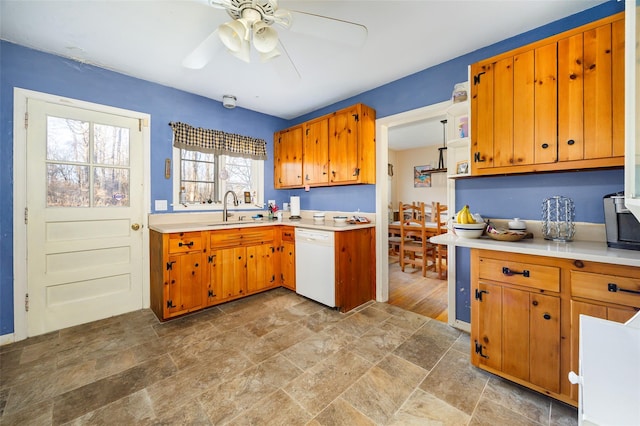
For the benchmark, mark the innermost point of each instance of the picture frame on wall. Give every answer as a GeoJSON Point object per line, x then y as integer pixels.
{"type": "Point", "coordinates": [421, 176]}
{"type": "Point", "coordinates": [462, 167]}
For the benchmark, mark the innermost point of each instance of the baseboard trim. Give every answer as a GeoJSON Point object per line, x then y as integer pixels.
{"type": "Point", "coordinates": [6, 339]}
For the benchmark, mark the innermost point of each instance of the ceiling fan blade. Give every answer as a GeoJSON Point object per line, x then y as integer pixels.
{"type": "Point", "coordinates": [205, 51]}
{"type": "Point", "coordinates": [327, 28]}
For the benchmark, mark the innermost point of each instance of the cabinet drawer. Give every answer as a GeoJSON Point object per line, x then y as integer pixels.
{"type": "Point", "coordinates": [184, 242]}
{"type": "Point", "coordinates": [288, 234]}
{"type": "Point", "coordinates": [526, 274]}
{"type": "Point", "coordinates": [236, 237]}
{"type": "Point", "coordinates": [606, 288]}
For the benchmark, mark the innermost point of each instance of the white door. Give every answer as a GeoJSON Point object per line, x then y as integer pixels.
{"type": "Point", "coordinates": [84, 207]}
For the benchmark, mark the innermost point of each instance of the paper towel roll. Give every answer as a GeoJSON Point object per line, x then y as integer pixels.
{"type": "Point", "coordinates": [294, 205]}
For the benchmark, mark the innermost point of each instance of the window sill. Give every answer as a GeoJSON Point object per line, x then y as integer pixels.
{"type": "Point", "coordinates": [214, 207]}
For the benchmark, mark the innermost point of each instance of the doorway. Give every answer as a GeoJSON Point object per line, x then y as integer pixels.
{"type": "Point", "coordinates": [84, 204]}
{"type": "Point", "coordinates": [438, 299]}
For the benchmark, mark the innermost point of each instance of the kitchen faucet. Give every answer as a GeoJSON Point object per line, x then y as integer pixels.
{"type": "Point", "coordinates": [225, 214]}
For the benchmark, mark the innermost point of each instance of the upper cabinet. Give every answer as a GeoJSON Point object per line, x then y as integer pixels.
{"type": "Point", "coordinates": [287, 157]}
{"type": "Point", "coordinates": [557, 104]}
{"type": "Point", "coordinates": [632, 83]}
{"type": "Point", "coordinates": [336, 149]}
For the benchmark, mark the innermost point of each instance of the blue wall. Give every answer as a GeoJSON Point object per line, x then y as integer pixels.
{"type": "Point", "coordinates": [28, 69]}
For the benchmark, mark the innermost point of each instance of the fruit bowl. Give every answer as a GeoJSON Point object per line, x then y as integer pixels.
{"type": "Point", "coordinates": [468, 230]}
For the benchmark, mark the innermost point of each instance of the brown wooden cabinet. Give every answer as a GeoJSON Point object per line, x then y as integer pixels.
{"type": "Point", "coordinates": [177, 272]}
{"type": "Point", "coordinates": [516, 322]}
{"type": "Point", "coordinates": [194, 270]}
{"type": "Point", "coordinates": [241, 262]}
{"type": "Point", "coordinates": [337, 149]}
{"type": "Point", "coordinates": [287, 157]}
{"type": "Point", "coordinates": [556, 104]}
{"type": "Point", "coordinates": [355, 267]}
{"type": "Point", "coordinates": [525, 314]}
{"type": "Point", "coordinates": [315, 150]}
{"type": "Point", "coordinates": [287, 257]}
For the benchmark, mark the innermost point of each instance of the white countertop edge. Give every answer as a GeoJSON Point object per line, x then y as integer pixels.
{"type": "Point", "coordinates": [328, 225]}
{"type": "Point", "coordinates": [577, 250]}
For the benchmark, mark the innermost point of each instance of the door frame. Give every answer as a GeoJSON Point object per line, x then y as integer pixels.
{"type": "Point", "coordinates": [382, 195]}
{"type": "Point", "coordinates": [20, 97]}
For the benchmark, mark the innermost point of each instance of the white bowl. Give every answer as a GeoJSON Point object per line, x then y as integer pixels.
{"type": "Point", "coordinates": [340, 219]}
{"type": "Point", "coordinates": [468, 230]}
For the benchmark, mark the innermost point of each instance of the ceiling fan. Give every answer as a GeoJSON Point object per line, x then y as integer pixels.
{"type": "Point", "coordinates": [252, 24]}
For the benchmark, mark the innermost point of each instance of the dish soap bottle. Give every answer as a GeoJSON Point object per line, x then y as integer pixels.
{"type": "Point", "coordinates": [183, 195]}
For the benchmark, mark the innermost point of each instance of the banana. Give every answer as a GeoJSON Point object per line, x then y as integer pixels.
{"type": "Point", "coordinates": [470, 218]}
{"type": "Point", "coordinates": [464, 216]}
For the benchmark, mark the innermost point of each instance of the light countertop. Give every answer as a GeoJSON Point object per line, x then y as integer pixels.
{"type": "Point", "coordinates": [594, 251]}
{"type": "Point", "coordinates": [328, 225]}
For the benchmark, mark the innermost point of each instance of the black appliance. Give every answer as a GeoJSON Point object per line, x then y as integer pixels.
{"type": "Point", "coordinates": [622, 227]}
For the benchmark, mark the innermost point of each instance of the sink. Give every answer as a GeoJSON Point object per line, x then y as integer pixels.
{"type": "Point", "coordinates": [240, 222]}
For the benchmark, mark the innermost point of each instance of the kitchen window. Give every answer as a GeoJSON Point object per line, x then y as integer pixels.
{"type": "Point", "coordinates": [206, 177]}
{"type": "Point", "coordinates": [208, 163]}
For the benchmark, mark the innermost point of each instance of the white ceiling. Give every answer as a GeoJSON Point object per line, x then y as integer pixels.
{"type": "Point", "coordinates": [149, 39]}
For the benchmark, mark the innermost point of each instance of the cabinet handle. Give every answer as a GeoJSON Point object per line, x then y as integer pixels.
{"type": "Point", "coordinates": [211, 293]}
{"type": "Point", "coordinates": [613, 288]}
{"type": "Point", "coordinates": [356, 171]}
{"type": "Point", "coordinates": [546, 316]}
{"type": "Point", "coordinates": [570, 142]}
{"type": "Point", "coordinates": [545, 145]}
{"type": "Point", "coordinates": [306, 177]}
{"type": "Point", "coordinates": [189, 244]}
{"type": "Point", "coordinates": [508, 272]}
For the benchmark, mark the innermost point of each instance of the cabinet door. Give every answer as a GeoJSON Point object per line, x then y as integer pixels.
{"type": "Point", "coordinates": [288, 264]}
{"type": "Point", "coordinates": [544, 331]}
{"type": "Point", "coordinates": [260, 267]}
{"type": "Point", "coordinates": [343, 146]}
{"type": "Point", "coordinates": [316, 152]}
{"type": "Point", "coordinates": [487, 326]}
{"type": "Point", "coordinates": [503, 113]}
{"type": "Point", "coordinates": [287, 158]}
{"type": "Point", "coordinates": [482, 116]}
{"type": "Point", "coordinates": [184, 289]}
{"type": "Point", "coordinates": [229, 272]}
{"type": "Point", "coordinates": [597, 93]}
{"type": "Point", "coordinates": [546, 101]}
{"type": "Point", "coordinates": [524, 104]}
{"type": "Point", "coordinates": [570, 98]}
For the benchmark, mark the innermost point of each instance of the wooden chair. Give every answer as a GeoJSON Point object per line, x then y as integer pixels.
{"type": "Point", "coordinates": [415, 248]}
{"type": "Point", "coordinates": [440, 220]}
{"type": "Point", "coordinates": [394, 240]}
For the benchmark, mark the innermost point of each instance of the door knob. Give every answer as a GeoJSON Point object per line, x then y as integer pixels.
{"type": "Point", "coordinates": [135, 226]}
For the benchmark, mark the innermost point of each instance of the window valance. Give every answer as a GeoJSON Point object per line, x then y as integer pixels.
{"type": "Point", "coordinates": [217, 142]}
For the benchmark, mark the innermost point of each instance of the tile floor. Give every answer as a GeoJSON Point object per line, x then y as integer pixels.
{"type": "Point", "coordinates": [273, 358]}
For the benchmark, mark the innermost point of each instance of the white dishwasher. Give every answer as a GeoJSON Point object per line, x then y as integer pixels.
{"type": "Point", "coordinates": [315, 265]}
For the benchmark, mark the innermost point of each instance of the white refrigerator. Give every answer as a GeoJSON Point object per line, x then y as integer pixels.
{"type": "Point", "coordinates": [609, 376]}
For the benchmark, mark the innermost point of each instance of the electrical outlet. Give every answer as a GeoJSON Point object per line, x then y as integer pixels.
{"type": "Point", "coordinates": [271, 203]}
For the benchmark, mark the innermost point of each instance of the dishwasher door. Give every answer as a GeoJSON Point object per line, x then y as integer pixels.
{"type": "Point", "coordinates": [315, 265]}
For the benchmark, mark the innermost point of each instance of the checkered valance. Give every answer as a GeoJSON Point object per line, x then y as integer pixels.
{"type": "Point", "coordinates": [218, 142]}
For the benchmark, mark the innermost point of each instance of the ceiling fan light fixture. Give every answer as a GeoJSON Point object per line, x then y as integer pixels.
{"type": "Point", "coordinates": [244, 53]}
{"type": "Point", "coordinates": [233, 34]}
{"type": "Point", "coordinates": [265, 38]}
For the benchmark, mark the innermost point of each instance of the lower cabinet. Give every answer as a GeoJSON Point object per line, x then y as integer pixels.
{"type": "Point", "coordinates": [525, 314]}
{"type": "Point", "coordinates": [177, 271]}
{"type": "Point", "coordinates": [194, 270]}
{"type": "Point", "coordinates": [287, 257]}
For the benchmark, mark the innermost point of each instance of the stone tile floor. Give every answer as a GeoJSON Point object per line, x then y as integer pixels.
{"type": "Point", "coordinates": [273, 358]}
